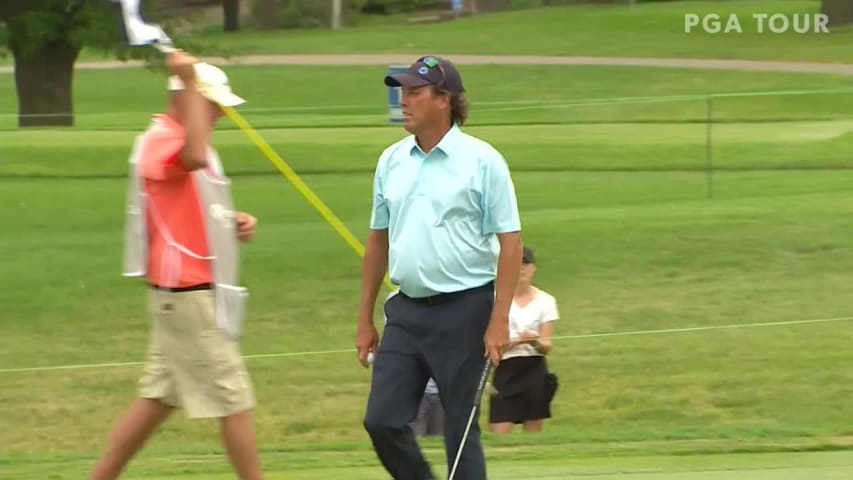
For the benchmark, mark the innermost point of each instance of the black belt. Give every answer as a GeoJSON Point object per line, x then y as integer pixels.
{"type": "Point", "coordinates": [445, 297]}
{"type": "Point", "coordinates": [191, 288]}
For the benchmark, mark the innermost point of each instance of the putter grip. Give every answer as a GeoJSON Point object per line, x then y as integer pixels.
{"type": "Point", "coordinates": [484, 377]}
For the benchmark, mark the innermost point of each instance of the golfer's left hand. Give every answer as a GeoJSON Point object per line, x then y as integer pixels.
{"type": "Point", "coordinates": [245, 226]}
{"type": "Point", "coordinates": [497, 337]}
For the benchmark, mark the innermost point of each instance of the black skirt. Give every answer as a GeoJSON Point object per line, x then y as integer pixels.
{"type": "Point", "coordinates": [521, 391]}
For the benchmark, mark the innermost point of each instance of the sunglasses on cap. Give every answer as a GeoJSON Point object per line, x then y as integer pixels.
{"type": "Point", "coordinates": [432, 62]}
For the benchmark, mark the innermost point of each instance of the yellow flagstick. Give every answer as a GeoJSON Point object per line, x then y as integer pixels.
{"type": "Point", "coordinates": [297, 182]}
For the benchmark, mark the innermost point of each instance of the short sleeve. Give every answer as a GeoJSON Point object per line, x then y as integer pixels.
{"type": "Point", "coordinates": [500, 206]}
{"type": "Point", "coordinates": [549, 310]}
{"type": "Point", "coordinates": [159, 157]}
{"type": "Point", "coordinates": [379, 216]}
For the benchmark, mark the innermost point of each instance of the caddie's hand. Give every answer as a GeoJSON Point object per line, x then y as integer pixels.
{"type": "Point", "coordinates": [182, 64]}
{"type": "Point", "coordinates": [366, 340]}
{"type": "Point", "coordinates": [497, 337]}
{"type": "Point", "coordinates": [245, 226]}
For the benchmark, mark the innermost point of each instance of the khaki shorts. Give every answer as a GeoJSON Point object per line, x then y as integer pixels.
{"type": "Point", "coordinates": [191, 365]}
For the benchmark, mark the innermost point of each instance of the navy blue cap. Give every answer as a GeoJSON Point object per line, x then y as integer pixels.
{"type": "Point", "coordinates": [429, 70]}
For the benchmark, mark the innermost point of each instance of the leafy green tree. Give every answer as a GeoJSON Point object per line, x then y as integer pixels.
{"type": "Point", "coordinates": [45, 38]}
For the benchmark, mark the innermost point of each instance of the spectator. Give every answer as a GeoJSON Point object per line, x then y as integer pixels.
{"type": "Point", "coordinates": [522, 385]}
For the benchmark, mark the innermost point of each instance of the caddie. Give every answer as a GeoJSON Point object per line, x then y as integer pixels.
{"type": "Point", "coordinates": [182, 235]}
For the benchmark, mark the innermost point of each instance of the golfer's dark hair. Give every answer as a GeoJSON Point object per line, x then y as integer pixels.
{"type": "Point", "coordinates": [458, 108]}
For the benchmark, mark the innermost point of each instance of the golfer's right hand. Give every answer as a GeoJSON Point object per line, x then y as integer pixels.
{"type": "Point", "coordinates": [496, 339]}
{"type": "Point", "coordinates": [366, 340]}
{"type": "Point", "coordinates": [182, 64]}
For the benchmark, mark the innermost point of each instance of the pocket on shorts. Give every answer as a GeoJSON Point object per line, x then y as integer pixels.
{"type": "Point", "coordinates": [230, 387]}
{"type": "Point", "coordinates": [204, 305]}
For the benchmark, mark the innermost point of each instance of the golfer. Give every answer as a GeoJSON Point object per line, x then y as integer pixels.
{"type": "Point", "coordinates": [445, 223]}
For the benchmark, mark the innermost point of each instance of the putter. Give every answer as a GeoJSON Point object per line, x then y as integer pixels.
{"type": "Point", "coordinates": [477, 397]}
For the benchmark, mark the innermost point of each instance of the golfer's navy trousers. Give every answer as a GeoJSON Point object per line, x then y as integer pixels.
{"type": "Point", "coordinates": [439, 337]}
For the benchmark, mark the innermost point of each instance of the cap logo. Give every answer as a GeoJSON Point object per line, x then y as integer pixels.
{"type": "Point", "coordinates": [430, 62]}
{"type": "Point", "coordinates": [423, 70]}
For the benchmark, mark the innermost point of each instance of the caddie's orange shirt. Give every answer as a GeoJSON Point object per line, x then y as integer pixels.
{"type": "Point", "coordinates": [175, 223]}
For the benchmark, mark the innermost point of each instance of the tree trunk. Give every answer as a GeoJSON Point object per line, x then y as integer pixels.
{"type": "Point", "coordinates": [231, 12]}
{"type": "Point", "coordinates": [43, 80]}
{"type": "Point", "coordinates": [840, 12]}
{"type": "Point", "coordinates": [266, 14]}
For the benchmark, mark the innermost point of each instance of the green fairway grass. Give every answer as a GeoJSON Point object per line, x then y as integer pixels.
{"type": "Point", "coordinates": [504, 466]}
{"type": "Point", "coordinates": [286, 96]}
{"type": "Point", "coordinates": [570, 118]}
{"type": "Point", "coordinates": [622, 252]}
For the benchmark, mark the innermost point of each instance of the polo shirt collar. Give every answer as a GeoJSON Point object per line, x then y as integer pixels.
{"type": "Point", "coordinates": [447, 144]}
{"type": "Point", "coordinates": [450, 140]}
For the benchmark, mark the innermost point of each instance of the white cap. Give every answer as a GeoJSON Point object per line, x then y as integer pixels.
{"type": "Point", "coordinates": [212, 83]}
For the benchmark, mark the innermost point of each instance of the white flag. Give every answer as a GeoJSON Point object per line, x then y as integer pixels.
{"type": "Point", "coordinates": [139, 32]}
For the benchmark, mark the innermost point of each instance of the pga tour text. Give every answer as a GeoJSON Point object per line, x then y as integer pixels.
{"type": "Point", "coordinates": [758, 22]}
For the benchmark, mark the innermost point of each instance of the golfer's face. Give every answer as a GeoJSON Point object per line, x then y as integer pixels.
{"type": "Point", "coordinates": [421, 107]}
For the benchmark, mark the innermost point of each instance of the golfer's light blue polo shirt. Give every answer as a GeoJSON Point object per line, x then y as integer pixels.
{"type": "Point", "coordinates": [443, 211]}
